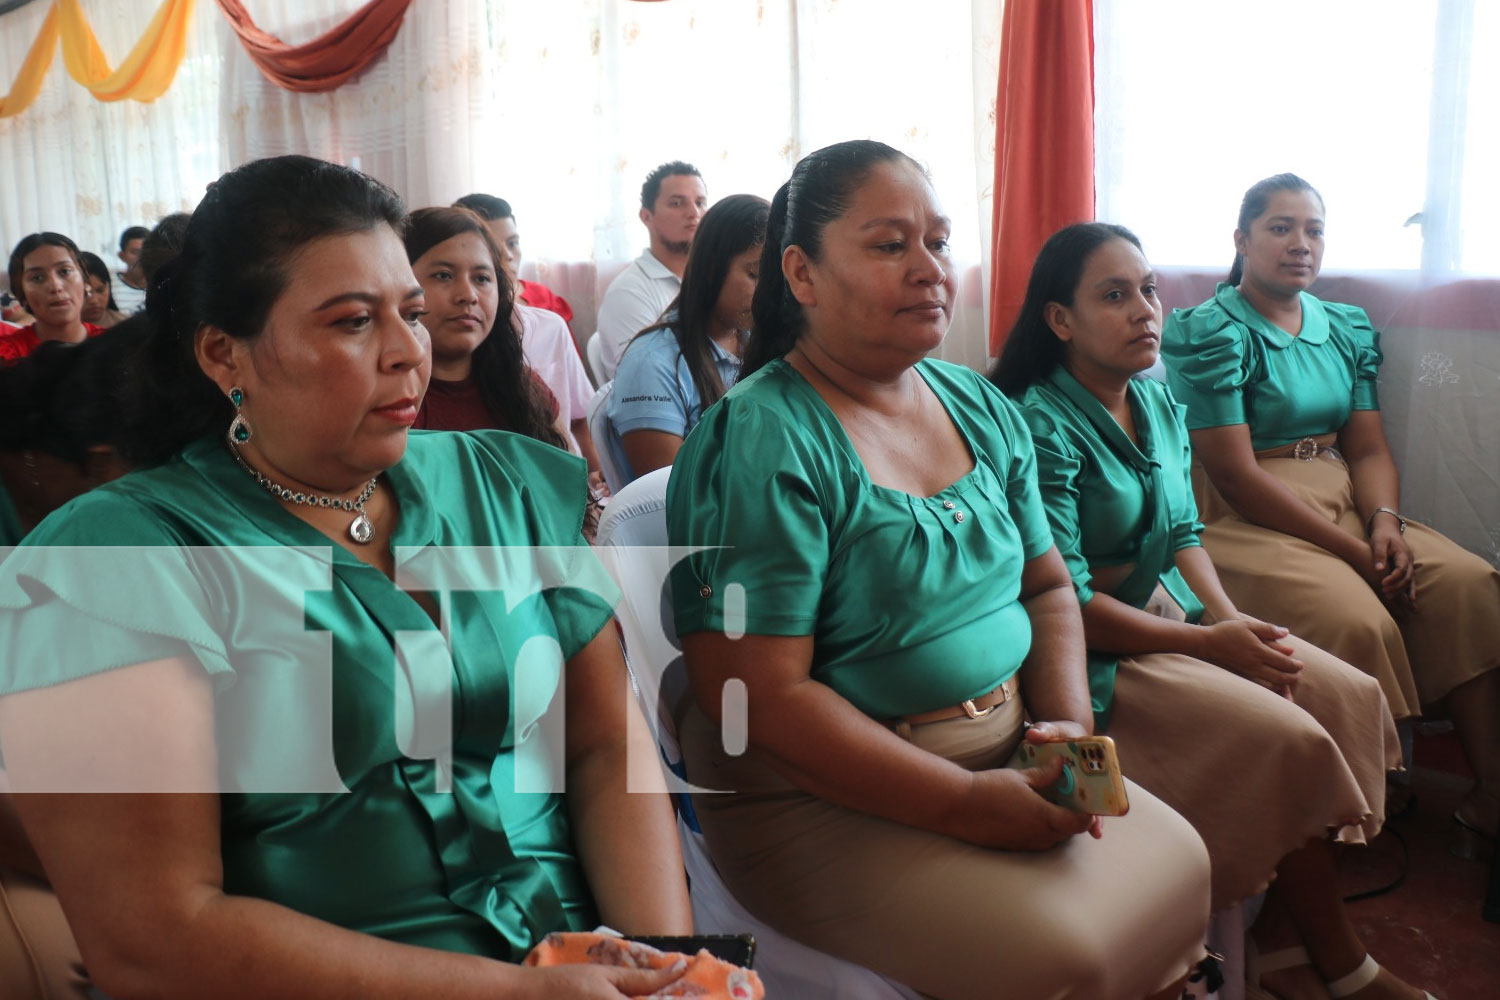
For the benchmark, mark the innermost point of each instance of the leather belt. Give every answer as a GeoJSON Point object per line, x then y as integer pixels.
{"type": "Point", "coordinates": [974, 708]}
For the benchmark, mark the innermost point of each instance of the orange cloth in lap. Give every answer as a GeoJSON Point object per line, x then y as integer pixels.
{"type": "Point", "coordinates": [706, 976]}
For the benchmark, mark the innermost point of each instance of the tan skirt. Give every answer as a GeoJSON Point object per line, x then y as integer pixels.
{"type": "Point", "coordinates": [1452, 637]}
{"type": "Point", "coordinates": [1120, 917]}
{"type": "Point", "coordinates": [39, 959]}
{"type": "Point", "coordinates": [1257, 775]}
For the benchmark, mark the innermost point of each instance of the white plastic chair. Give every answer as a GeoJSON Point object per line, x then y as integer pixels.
{"type": "Point", "coordinates": [594, 350]}
{"type": "Point", "coordinates": [599, 431]}
{"type": "Point", "coordinates": [632, 542]}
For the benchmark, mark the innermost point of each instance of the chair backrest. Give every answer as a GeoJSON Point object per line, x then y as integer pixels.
{"type": "Point", "coordinates": [632, 542]}
{"type": "Point", "coordinates": [595, 352]}
{"type": "Point", "coordinates": [599, 430]}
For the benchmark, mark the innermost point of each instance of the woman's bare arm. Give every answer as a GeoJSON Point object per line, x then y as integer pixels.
{"type": "Point", "coordinates": [1261, 498]}
{"type": "Point", "coordinates": [140, 876]}
{"type": "Point", "coordinates": [625, 830]}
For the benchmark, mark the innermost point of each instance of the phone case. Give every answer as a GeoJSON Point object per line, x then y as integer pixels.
{"type": "Point", "coordinates": [736, 949]}
{"type": "Point", "coordinates": [1090, 781]}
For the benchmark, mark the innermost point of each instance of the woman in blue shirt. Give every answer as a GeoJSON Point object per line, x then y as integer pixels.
{"type": "Point", "coordinates": [672, 372]}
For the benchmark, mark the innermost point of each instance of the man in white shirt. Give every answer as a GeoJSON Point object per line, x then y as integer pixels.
{"type": "Point", "coordinates": [130, 284]}
{"type": "Point", "coordinates": [673, 199]}
{"type": "Point", "coordinates": [551, 354]}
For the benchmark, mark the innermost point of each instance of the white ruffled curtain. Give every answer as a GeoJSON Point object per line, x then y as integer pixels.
{"type": "Point", "coordinates": [87, 169]}
{"type": "Point", "coordinates": [1388, 107]}
{"type": "Point", "coordinates": [559, 107]}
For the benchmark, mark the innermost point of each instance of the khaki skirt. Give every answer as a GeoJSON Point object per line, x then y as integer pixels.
{"type": "Point", "coordinates": [1256, 775]}
{"type": "Point", "coordinates": [1111, 919]}
{"type": "Point", "coordinates": [1453, 635]}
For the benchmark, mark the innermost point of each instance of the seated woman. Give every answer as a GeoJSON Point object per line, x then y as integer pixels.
{"type": "Point", "coordinates": [47, 275]}
{"type": "Point", "coordinates": [880, 578]}
{"type": "Point", "coordinates": [673, 371]}
{"type": "Point", "coordinates": [1113, 464]}
{"type": "Point", "coordinates": [401, 852]}
{"type": "Point", "coordinates": [98, 301]}
{"type": "Point", "coordinates": [1312, 536]}
{"type": "Point", "coordinates": [480, 378]}
{"type": "Point", "coordinates": [59, 437]}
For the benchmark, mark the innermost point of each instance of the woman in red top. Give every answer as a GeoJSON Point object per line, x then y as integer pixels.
{"type": "Point", "coordinates": [479, 374]}
{"type": "Point", "coordinates": [46, 274]}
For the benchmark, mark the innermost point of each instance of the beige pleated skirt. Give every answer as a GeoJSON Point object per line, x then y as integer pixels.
{"type": "Point", "coordinates": [1256, 775]}
{"type": "Point", "coordinates": [1112, 919]}
{"type": "Point", "coordinates": [1452, 637]}
{"type": "Point", "coordinates": [39, 959]}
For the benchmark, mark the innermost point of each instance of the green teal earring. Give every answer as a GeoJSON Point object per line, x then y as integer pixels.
{"type": "Point", "coordinates": [239, 429]}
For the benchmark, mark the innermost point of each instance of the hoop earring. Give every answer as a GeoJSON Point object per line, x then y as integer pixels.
{"type": "Point", "coordinates": [239, 429]}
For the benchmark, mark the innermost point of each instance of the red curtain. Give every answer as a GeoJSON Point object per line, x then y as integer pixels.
{"type": "Point", "coordinates": [1044, 141]}
{"type": "Point", "coordinates": [328, 60]}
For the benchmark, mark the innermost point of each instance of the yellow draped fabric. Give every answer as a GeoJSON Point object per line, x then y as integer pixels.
{"type": "Point", "coordinates": [145, 74]}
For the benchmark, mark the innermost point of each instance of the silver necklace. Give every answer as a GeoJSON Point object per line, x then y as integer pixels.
{"type": "Point", "coordinates": [360, 529]}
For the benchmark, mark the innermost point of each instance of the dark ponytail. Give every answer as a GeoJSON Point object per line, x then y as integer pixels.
{"type": "Point", "coordinates": [1254, 205]}
{"type": "Point", "coordinates": [1032, 350]}
{"type": "Point", "coordinates": [775, 317]}
{"type": "Point", "coordinates": [231, 270]}
{"type": "Point", "coordinates": [817, 193]}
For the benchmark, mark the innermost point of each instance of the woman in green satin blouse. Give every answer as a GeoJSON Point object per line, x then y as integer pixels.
{"type": "Point", "coordinates": [1301, 497]}
{"type": "Point", "coordinates": [284, 623]}
{"type": "Point", "coordinates": [1186, 685]}
{"type": "Point", "coordinates": [872, 563]}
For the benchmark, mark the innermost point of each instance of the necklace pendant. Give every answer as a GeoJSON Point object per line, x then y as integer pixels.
{"type": "Point", "coordinates": [361, 530]}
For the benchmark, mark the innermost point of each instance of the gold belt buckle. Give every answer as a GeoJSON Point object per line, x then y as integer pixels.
{"type": "Point", "coordinates": [1306, 449]}
{"type": "Point", "coordinates": [977, 713]}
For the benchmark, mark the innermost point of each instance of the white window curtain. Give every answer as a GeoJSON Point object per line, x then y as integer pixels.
{"type": "Point", "coordinates": [1388, 107]}
{"type": "Point", "coordinates": [560, 107]}
{"type": "Point", "coordinates": [89, 169]}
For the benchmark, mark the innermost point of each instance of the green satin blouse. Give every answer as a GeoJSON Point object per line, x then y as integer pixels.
{"type": "Point", "coordinates": [912, 601]}
{"type": "Point", "coordinates": [1111, 502]}
{"type": "Point", "coordinates": [484, 866]}
{"type": "Point", "coordinates": [1228, 364]}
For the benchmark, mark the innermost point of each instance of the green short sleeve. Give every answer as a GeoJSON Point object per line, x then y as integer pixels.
{"type": "Point", "coordinates": [1354, 322]}
{"type": "Point", "coordinates": [1204, 351]}
{"type": "Point", "coordinates": [1058, 465]}
{"type": "Point", "coordinates": [552, 488]}
{"type": "Point", "coordinates": [101, 584]}
{"type": "Point", "coordinates": [744, 477]}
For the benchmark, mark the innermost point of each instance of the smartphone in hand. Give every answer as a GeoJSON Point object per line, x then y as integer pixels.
{"type": "Point", "coordinates": [1090, 780]}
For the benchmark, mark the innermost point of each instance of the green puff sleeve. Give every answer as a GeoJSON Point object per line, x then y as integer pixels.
{"type": "Point", "coordinates": [1204, 351]}
{"type": "Point", "coordinates": [102, 584]}
{"type": "Point", "coordinates": [1187, 529]}
{"type": "Point", "coordinates": [1353, 324]}
{"type": "Point", "coordinates": [1058, 465]}
{"type": "Point", "coordinates": [552, 489]}
{"type": "Point", "coordinates": [747, 486]}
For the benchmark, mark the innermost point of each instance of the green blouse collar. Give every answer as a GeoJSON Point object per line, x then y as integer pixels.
{"type": "Point", "coordinates": [1314, 318]}
{"type": "Point", "coordinates": [211, 460]}
{"type": "Point", "coordinates": [1088, 404]}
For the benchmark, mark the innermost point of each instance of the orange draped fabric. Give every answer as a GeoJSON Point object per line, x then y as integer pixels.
{"type": "Point", "coordinates": [146, 73]}
{"type": "Point", "coordinates": [1044, 141]}
{"type": "Point", "coordinates": [328, 60]}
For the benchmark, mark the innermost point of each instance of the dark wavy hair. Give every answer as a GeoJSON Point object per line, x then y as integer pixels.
{"type": "Point", "coordinates": [818, 192]}
{"type": "Point", "coordinates": [163, 242]}
{"type": "Point", "coordinates": [511, 394]}
{"type": "Point", "coordinates": [727, 230]}
{"type": "Point", "coordinates": [231, 270]}
{"type": "Point", "coordinates": [1254, 205]}
{"type": "Point", "coordinates": [1032, 350]}
{"type": "Point", "coordinates": [33, 242]}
